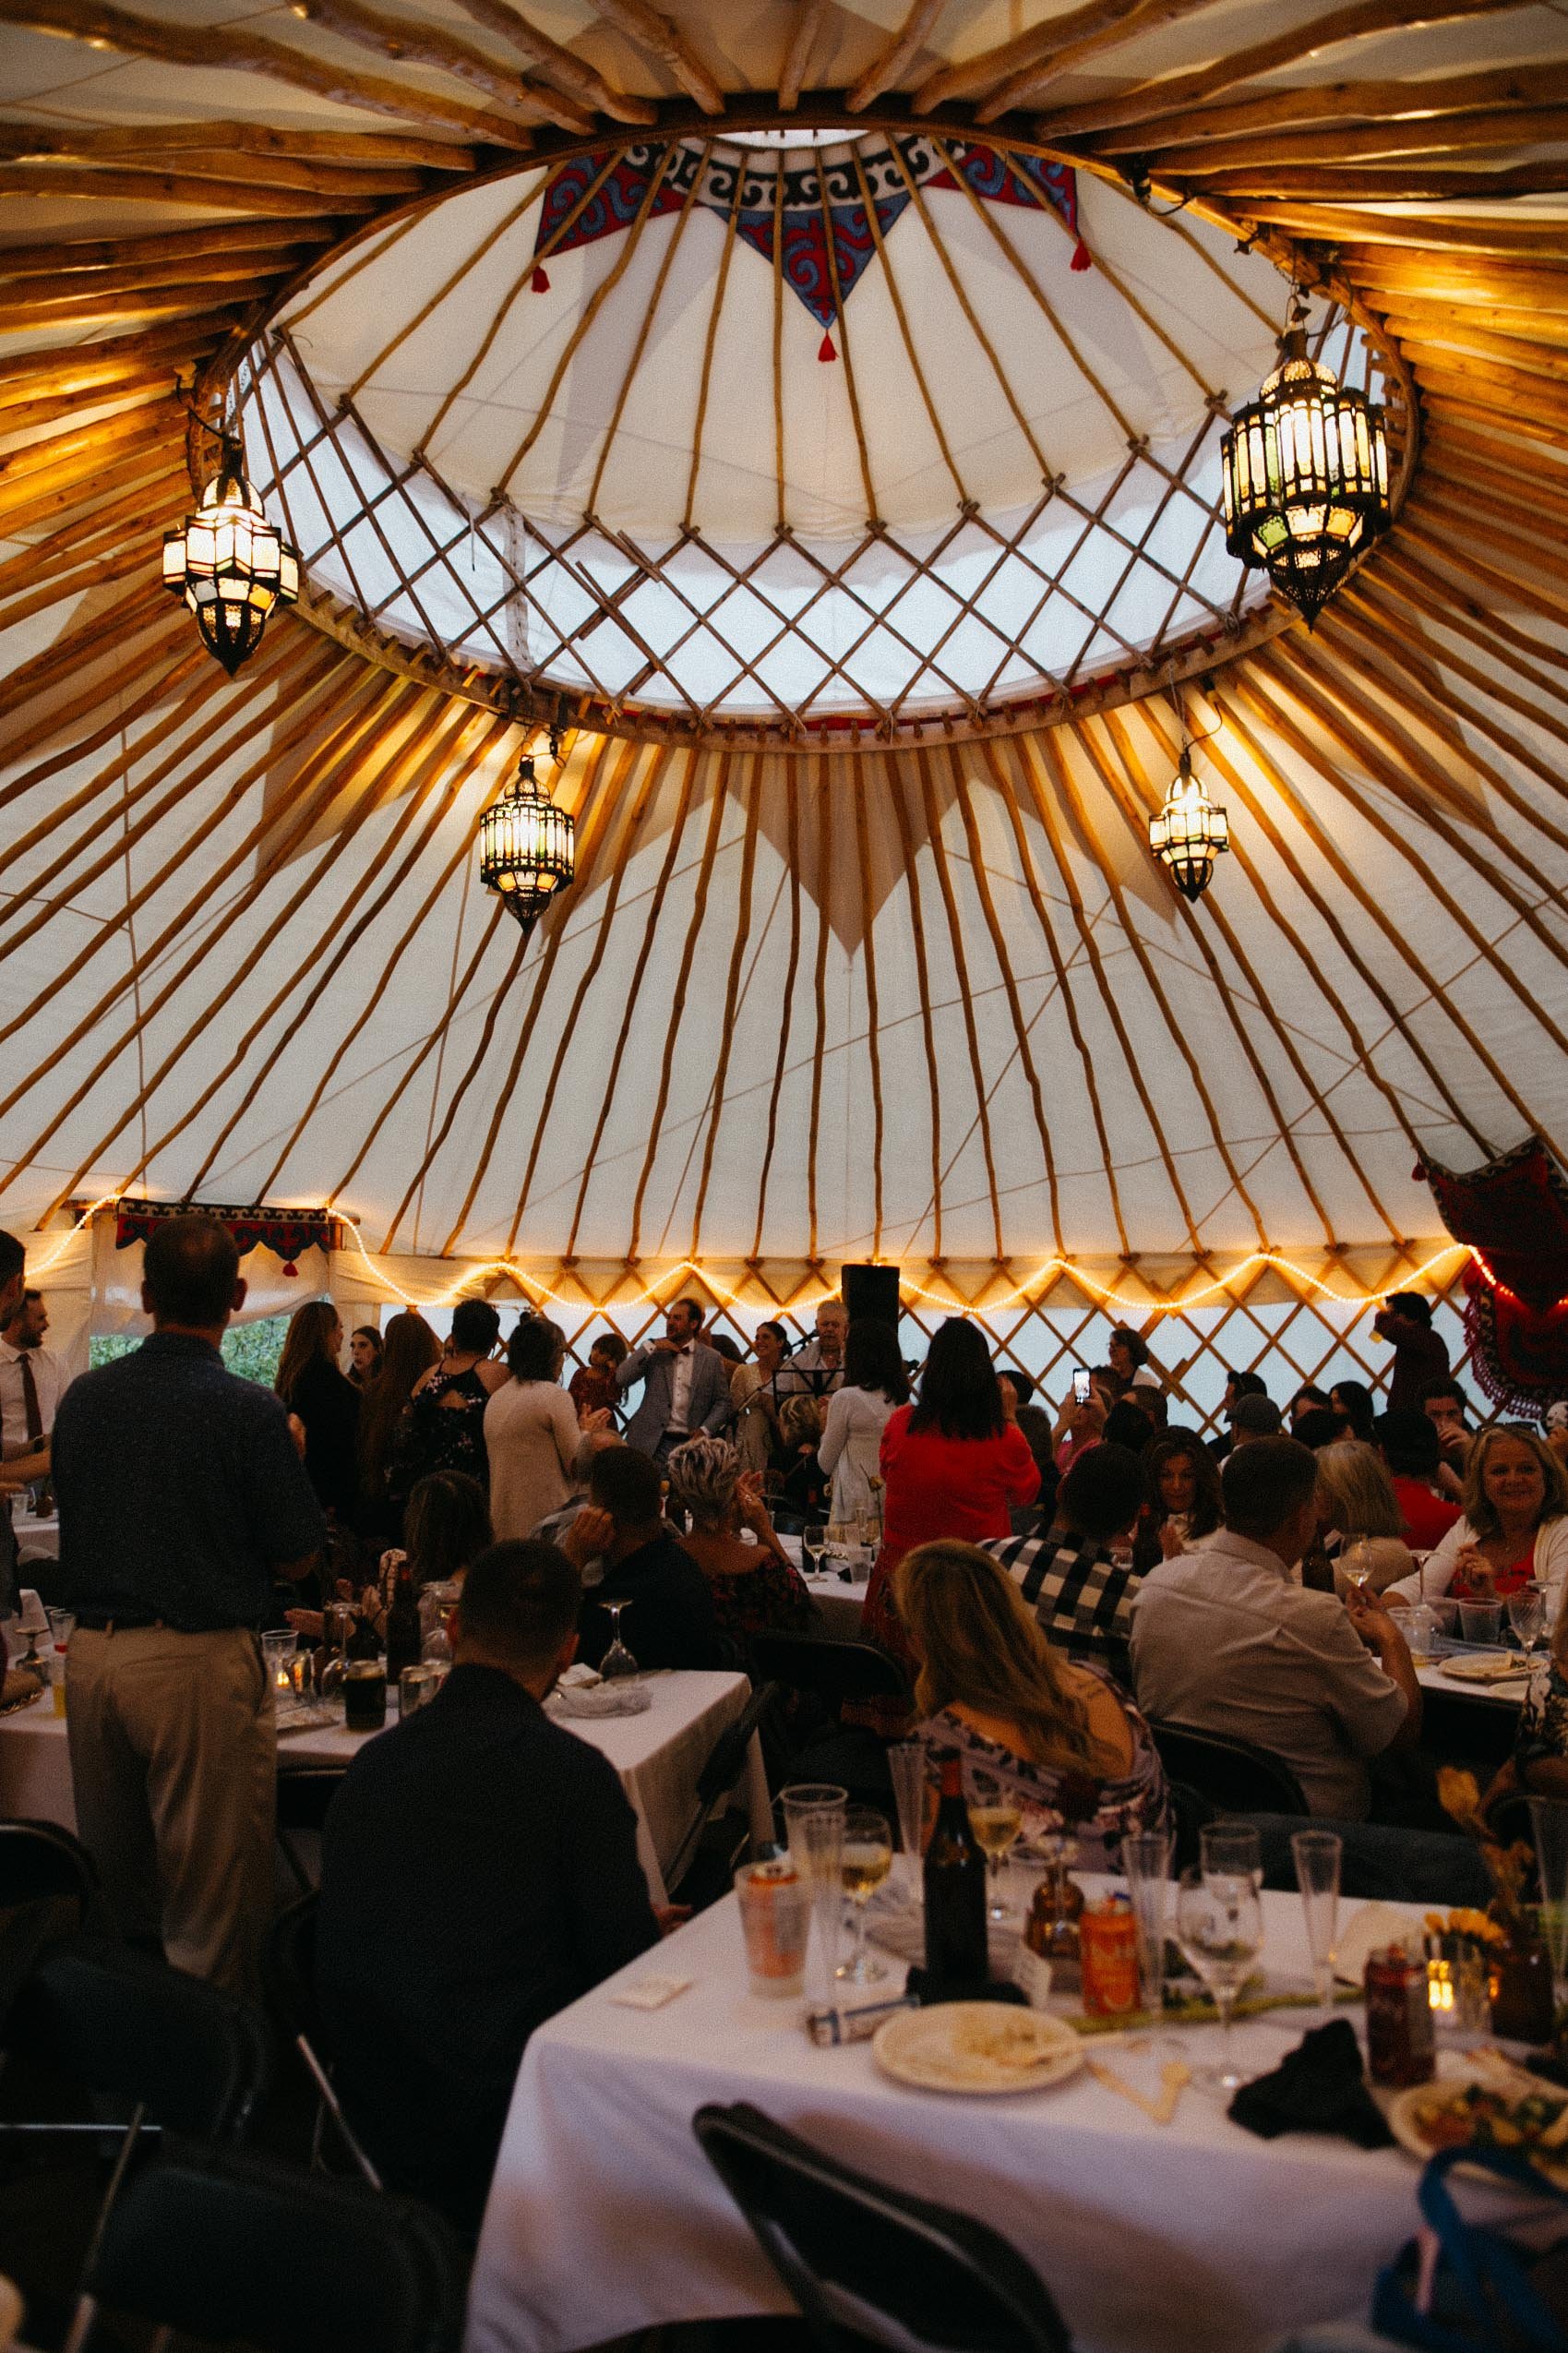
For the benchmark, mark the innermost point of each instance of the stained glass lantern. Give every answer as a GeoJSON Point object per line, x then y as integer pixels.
{"type": "Point", "coordinates": [526, 847]}
{"type": "Point", "coordinates": [229, 565]}
{"type": "Point", "coordinates": [1190, 833]}
{"type": "Point", "coordinates": [1306, 475]}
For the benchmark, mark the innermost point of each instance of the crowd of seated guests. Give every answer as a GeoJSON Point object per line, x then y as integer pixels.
{"type": "Point", "coordinates": [1056, 1587]}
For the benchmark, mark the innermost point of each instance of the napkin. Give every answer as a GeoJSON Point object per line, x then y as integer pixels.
{"type": "Point", "coordinates": [1318, 2087]}
{"type": "Point", "coordinates": [619, 1699]}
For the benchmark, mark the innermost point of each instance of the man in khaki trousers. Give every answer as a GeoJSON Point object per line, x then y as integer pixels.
{"type": "Point", "coordinates": [182, 1500]}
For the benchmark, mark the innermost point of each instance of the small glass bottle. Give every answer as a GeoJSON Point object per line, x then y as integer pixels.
{"type": "Point", "coordinates": [1400, 2044]}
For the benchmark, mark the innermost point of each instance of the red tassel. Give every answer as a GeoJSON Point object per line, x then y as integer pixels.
{"type": "Point", "coordinates": [540, 284]}
{"type": "Point", "coordinates": [1081, 259]}
{"type": "Point", "coordinates": [289, 1268]}
{"type": "Point", "coordinates": [825, 348]}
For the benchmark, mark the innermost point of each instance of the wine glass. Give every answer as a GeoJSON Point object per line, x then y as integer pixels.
{"type": "Point", "coordinates": [338, 1622]}
{"type": "Point", "coordinates": [813, 1544]}
{"type": "Point", "coordinates": [1219, 1926]}
{"type": "Point", "coordinates": [1526, 1615]}
{"type": "Point", "coordinates": [866, 1858]}
{"type": "Point", "coordinates": [996, 1817]}
{"type": "Point", "coordinates": [617, 1660]}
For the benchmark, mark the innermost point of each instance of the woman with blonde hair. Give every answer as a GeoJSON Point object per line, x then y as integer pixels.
{"type": "Point", "coordinates": [1515, 1529]}
{"type": "Point", "coordinates": [1061, 1737]}
{"type": "Point", "coordinates": [756, 1588]}
{"type": "Point", "coordinates": [327, 1403]}
{"type": "Point", "coordinates": [1356, 1506]}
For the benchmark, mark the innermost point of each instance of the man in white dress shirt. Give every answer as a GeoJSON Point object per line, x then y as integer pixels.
{"type": "Point", "coordinates": [29, 1388]}
{"type": "Point", "coordinates": [1223, 1641]}
{"type": "Point", "coordinates": [686, 1388]}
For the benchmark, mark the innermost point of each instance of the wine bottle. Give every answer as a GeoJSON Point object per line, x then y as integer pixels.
{"type": "Point", "coordinates": [403, 1640]}
{"type": "Point", "coordinates": [955, 1887]}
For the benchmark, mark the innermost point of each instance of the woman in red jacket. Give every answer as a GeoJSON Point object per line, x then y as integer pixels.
{"type": "Point", "coordinates": [953, 1464]}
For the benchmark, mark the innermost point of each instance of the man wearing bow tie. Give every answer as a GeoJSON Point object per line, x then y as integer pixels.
{"type": "Point", "coordinates": [685, 1386]}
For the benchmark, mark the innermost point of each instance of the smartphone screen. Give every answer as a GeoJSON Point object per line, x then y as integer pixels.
{"type": "Point", "coordinates": [1081, 1387]}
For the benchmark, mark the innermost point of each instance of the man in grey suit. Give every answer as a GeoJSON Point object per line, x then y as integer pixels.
{"type": "Point", "coordinates": [685, 1386]}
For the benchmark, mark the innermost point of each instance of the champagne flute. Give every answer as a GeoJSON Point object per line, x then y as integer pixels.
{"type": "Point", "coordinates": [813, 1544]}
{"type": "Point", "coordinates": [1219, 1926]}
{"type": "Point", "coordinates": [866, 1860]}
{"type": "Point", "coordinates": [910, 1768]}
{"type": "Point", "coordinates": [1317, 1854]}
{"type": "Point", "coordinates": [617, 1660]}
{"type": "Point", "coordinates": [996, 1817]}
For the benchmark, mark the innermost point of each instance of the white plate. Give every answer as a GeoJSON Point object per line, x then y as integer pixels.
{"type": "Point", "coordinates": [1514, 2084]}
{"type": "Point", "coordinates": [955, 2046]}
{"type": "Point", "coordinates": [1490, 1666]}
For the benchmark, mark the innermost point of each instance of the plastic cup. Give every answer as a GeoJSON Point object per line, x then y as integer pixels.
{"type": "Point", "coordinates": [775, 1920]}
{"type": "Point", "coordinates": [1480, 1621]}
{"type": "Point", "coordinates": [416, 1687]}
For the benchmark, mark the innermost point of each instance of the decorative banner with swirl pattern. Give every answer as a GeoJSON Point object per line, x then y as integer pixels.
{"type": "Point", "coordinates": [818, 187]}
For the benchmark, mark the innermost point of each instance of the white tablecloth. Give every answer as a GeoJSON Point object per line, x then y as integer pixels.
{"type": "Point", "coordinates": [658, 1756]}
{"type": "Point", "coordinates": [605, 2217]}
{"type": "Point", "coordinates": [35, 1538]}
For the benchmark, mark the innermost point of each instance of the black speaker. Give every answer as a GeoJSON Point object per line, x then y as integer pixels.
{"type": "Point", "coordinates": [871, 1290]}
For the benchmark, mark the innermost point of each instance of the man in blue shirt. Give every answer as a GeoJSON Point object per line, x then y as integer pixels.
{"type": "Point", "coordinates": [182, 1500]}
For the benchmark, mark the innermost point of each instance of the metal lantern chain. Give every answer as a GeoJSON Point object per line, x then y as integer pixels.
{"type": "Point", "coordinates": [526, 847]}
{"type": "Point", "coordinates": [228, 564]}
{"type": "Point", "coordinates": [1306, 475]}
{"type": "Point", "coordinates": [1190, 833]}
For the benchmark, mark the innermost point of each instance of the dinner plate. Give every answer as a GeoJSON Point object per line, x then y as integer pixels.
{"type": "Point", "coordinates": [1512, 2083]}
{"type": "Point", "coordinates": [988, 2048]}
{"type": "Point", "coordinates": [1490, 1666]}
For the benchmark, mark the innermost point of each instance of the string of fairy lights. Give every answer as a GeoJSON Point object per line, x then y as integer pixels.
{"type": "Point", "coordinates": [476, 1273]}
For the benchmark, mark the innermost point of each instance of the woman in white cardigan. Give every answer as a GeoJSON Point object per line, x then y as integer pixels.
{"type": "Point", "coordinates": [875, 1383]}
{"type": "Point", "coordinates": [1514, 1530]}
{"type": "Point", "coordinates": [530, 1432]}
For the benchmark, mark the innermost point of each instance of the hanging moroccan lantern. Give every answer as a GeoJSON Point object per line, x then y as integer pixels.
{"type": "Point", "coordinates": [1306, 475]}
{"type": "Point", "coordinates": [1190, 833]}
{"type": "Point", "coordinates": [229, 565]}
{"type": "Point", "coordinates": [525, 847]}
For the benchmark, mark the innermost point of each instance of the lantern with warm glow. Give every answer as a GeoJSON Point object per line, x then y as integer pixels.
{"type": "Point", "coordinates": [525, 847]}
{"type": "Point", "coordinates": [1306, 475]}
{"type": "Point", "coordinates": [1190, 833]}
{"type": "Point", "coordinates": [229, 565]}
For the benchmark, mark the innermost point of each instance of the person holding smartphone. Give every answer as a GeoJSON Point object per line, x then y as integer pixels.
{"type": "Point", "coordinates": [1082, 1421]}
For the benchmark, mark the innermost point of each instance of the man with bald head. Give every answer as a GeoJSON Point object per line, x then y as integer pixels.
{"type": "Point", "coordinates": [817, 1369]}
{"type": "Point", "coordinates": [183, 1498]}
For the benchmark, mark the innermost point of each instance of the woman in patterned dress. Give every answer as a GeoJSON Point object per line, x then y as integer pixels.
{"type": "Point", "coordinates": [1063, 1737]}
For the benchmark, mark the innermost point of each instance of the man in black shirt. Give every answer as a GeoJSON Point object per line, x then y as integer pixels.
{"type": "Point", "coordinates": [670, 1621]}
{"type": "Point", "coordinates": [479, 1872]}
{"type": "Point", "coordinates": [182, 1497]}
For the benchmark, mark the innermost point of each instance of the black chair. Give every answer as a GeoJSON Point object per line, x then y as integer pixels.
{"type": "Point", "coordinates": [134, 2034]}
{"type": "Point", "coordinates": [227, 2247]}
{"type": "Point", "coordinates": [289, 1969]}
{"type": "Point", "coordinates": [831, 1675]}
{"type": "Point", "coordinates": [304, 1795]}
{"type": "Point", "coordinates": [832, 1672]}
{"type": "Point", "coordinates": [866, 2262]}
{"type": "Point", "coordinates": [699, 1869]}
{"type": "Point", "coordinates": [40, 1863]}
{"type": "Point", "coordinates": [1232, 1775]}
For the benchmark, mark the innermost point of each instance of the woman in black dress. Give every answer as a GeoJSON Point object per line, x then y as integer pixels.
{"type": "Point", "coordinates": [327, 1403]}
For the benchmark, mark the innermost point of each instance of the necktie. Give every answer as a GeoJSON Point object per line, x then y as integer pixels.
{"type": "Point", "coordinates": [30, 1403]}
